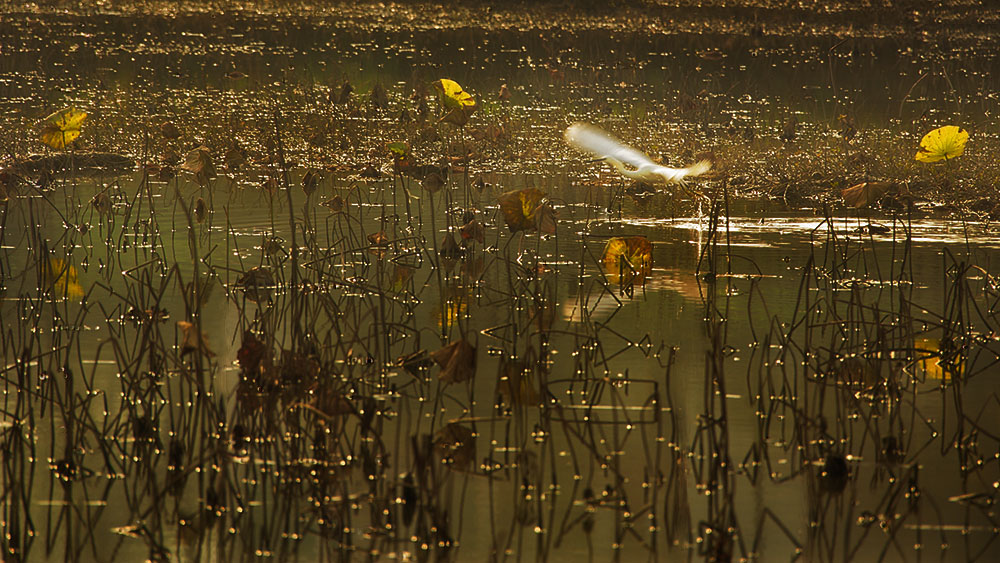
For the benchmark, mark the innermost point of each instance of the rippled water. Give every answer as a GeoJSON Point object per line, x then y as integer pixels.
{"type": "Point", "coordinates": [790, 380]}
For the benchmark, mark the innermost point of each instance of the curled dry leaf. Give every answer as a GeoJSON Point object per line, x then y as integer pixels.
{"type": "Point", "coordinates": [379, 239]}
{"type": "Point", "coordinates": [101, 203]}
{"type": "Point", "coordinates": [473, 230]}
{"type": "Point", "coordinates": [456, 445]}
{"type": "Point", "coordinates": [865, 193]}
{"type": "Point", "coordinates": [335, 203]}
{"type": "Point", "coordinates": [169, 130]}
{"type": "Point", "coordinates": [379, 97]}
{"type": "Point", "coordinates": [256, 284]}
{"type": "Point", "coordinates": [457, 361]}
{"type": "Point", "coordinates": [199, 163]}
{"type": "Point", "coordinates": [200, 210]}
{"type": "Point", "coordinates": [310, 181]}
{"type": "Point", "coordinates": [192, 339]}
{"type": "Point", "coordinates": [449, 247]}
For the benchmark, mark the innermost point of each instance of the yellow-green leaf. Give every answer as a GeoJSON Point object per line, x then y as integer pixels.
{"type": "Point", "coordinates": [452, 95]}
{"type": "Point", "coordinates": [62, 278]}
{"type": "Point", "coordinates": [522, 208]}
{"type": "Point", "coordinates": [942, 143]}
{"type": "Point", "coordinates": [62, 127]}
{"type": "Point", "coordinates": [631, 257]}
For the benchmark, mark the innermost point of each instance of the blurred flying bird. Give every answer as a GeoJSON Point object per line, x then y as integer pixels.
{"type": "Point", "coordinates": [629, 162]}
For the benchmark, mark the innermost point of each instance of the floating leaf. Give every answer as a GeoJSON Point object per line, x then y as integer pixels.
{"type": "Point", "coordinates": [942, 143]}
{"type": "Point", "coordinates": [62, 127]}
{"type": "Point", "coordinates": [457, 361]}
{"type": "Point", "coordinates": [401, 276]}
{"type": "Point", "coordinates": [865, 193]}
{"type": "Point", "coordinates": [62, 278]}
{"type": "Point", "coordinates": [527, 210]}
{"type": "Point", "coordinates": [630, 257]}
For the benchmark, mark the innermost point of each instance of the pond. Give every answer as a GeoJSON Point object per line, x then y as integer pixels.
{"type": "Point", "coordinates": [273, 303]}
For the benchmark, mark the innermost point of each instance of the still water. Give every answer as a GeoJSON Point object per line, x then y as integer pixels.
{"type": "Point", "coordinates": [310, 355]}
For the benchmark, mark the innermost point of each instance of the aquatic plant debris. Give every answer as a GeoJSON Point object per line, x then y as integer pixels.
{"type": "Point", "coordinates": [631, 258]}
{"type": "Point", "coordinates": [63, 127]}
{"type": "Point", "coordinates": [943, 143]}
{"type": "Point", "coordinates": [62, 278]}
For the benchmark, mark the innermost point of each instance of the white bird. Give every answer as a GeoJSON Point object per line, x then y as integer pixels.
{"type": "Point", "coordinates": [592, 139]}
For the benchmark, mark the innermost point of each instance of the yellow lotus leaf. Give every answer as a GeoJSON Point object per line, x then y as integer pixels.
{"type": "Point", "coordinates": [628, 259]}
{"type": "Point", "coordinates": [936, 363]}
{"type": "Point", "coordinates": [452, 96]}
{"type": "Point", "coordinates": [62, 127]}
{"type": "Point", "coordinates": [942, 143]}
{"type": "Point", "coordinates": [527, 210]}
{"type": "Point", "coordinates": [62, 278]}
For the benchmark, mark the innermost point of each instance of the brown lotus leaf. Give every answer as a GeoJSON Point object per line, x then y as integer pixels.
{"type": "Point", "coordinates": [199, 163]}
{"type": "Point", "coordinates": [192, 339]}
{"type": "Point", "coordinates": [200, 210]}
{"type": "Point", "coordinates": [473, 230]}
{"type": "Point", "coordinates": [455, 445]}
{"type": "Point", "coordinates": [379, 239]}
{"type": "Point", "coordinates": [170, 130]}
{"type": "Point", "coordinates": [865, 193]}
{"type": "Point", "coordinates": [335, 203]}
{"type": "Point", "coordinates": [457, 361]}
{"type": "Point", "coordinates": [310, 181]}
{"type": "Point", "coordinates": [449, 247]}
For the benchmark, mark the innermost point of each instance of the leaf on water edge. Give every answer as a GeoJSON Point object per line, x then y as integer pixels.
{"type": "Point", "coordinates": [865, 193]}
{"type": "Point", "coordinates": [457, 361]}
{"type": "Point", "coordinates": [62, 127]}
{"type": "Point", "coordinates": [62, 278]}
{"type": "Point", "coordinates": [522, 208]}
{"type": "Point", "coordinates": [632, 257]}
{"type": "Point", "coordinates": [942, 143]}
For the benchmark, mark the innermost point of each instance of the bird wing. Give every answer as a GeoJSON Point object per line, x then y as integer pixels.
{"type": "Point", "coordinates": [594, 140]}
{"type": "Point", "coordinates": [677, 175]}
